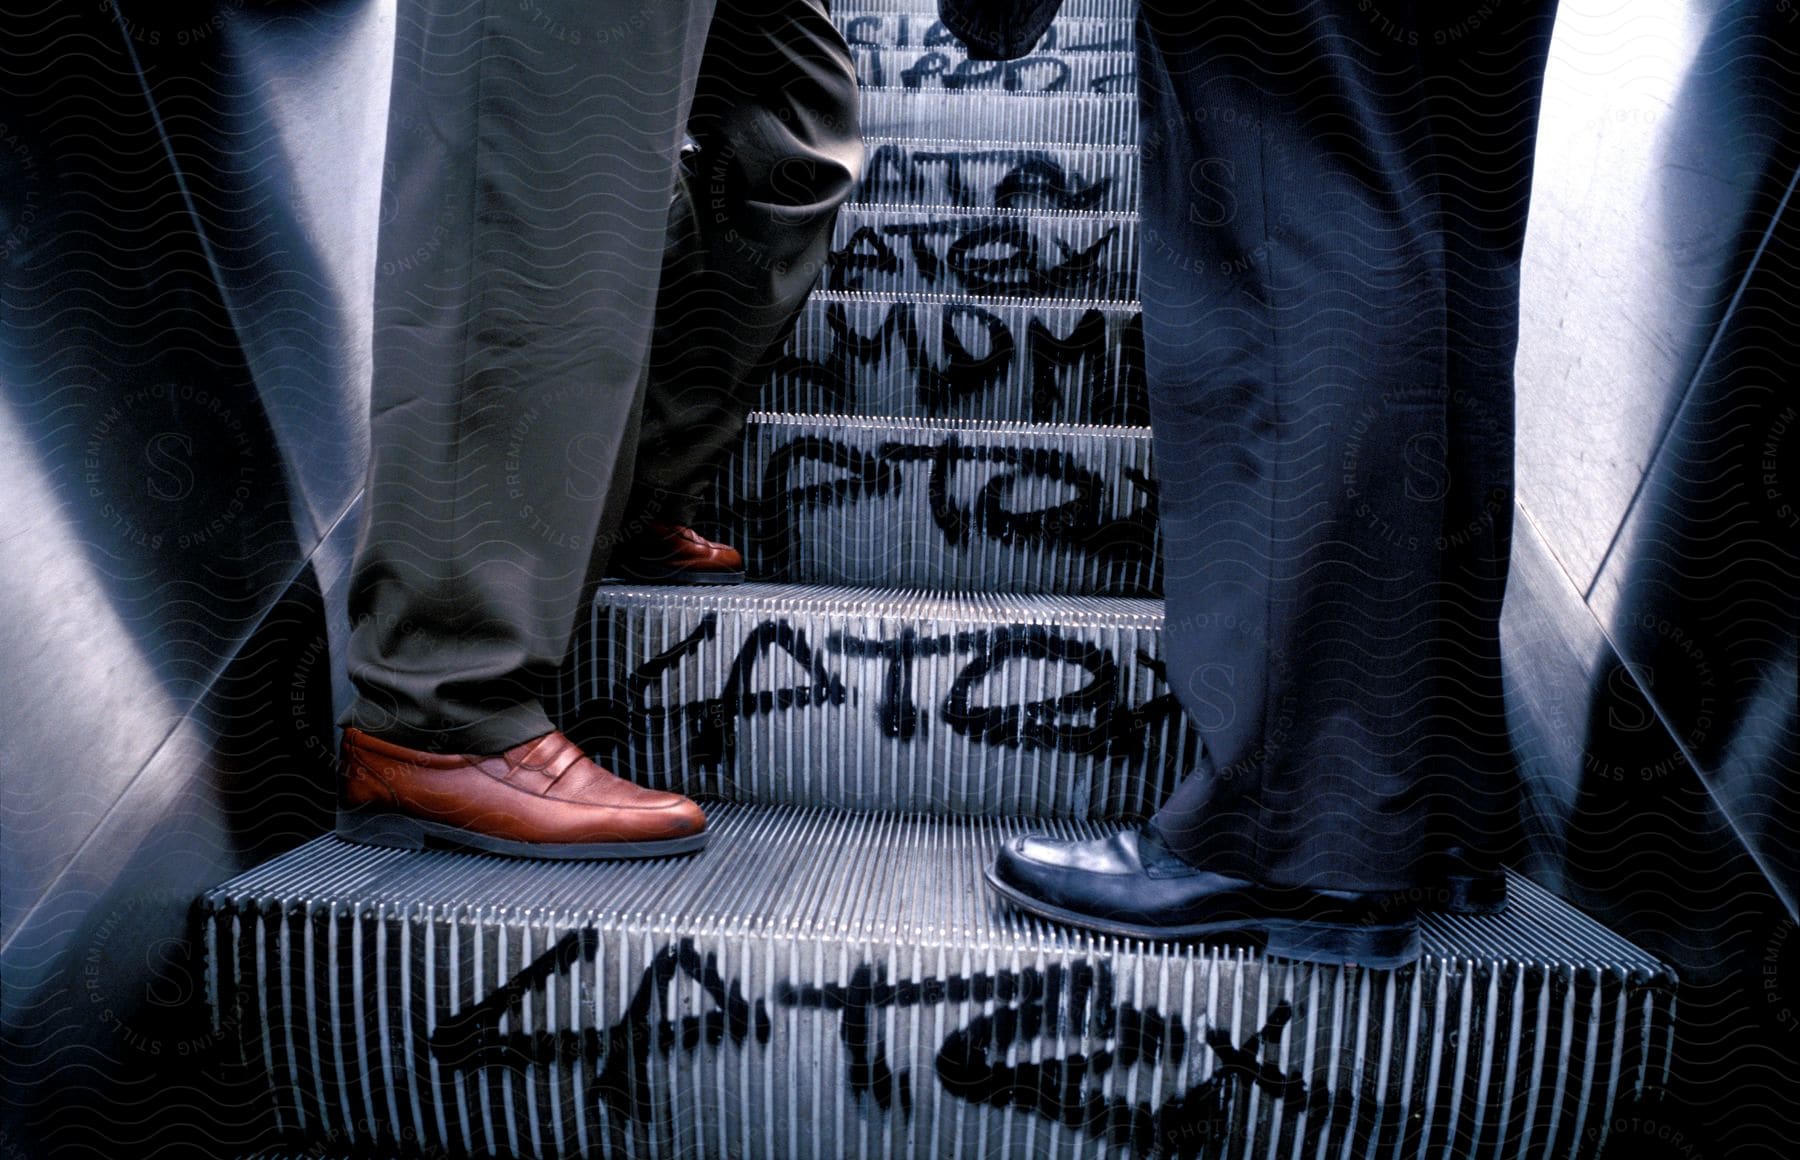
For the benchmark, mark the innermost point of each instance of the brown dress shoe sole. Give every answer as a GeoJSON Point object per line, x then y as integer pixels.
{"type": "Point", "coordinates": [376, 826]}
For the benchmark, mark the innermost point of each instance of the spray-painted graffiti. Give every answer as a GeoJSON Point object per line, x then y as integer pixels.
{"type": "Point", "coordinates": [1081, 366]}
{"type": "Point", "coordinates": [994, 1058]}
{"type": "Point", "coordinates": [1075, 258]}
{"type": "Point", "coordinates": [1093, 719]}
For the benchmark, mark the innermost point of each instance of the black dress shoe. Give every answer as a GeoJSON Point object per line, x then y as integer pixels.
{"type": "Point", "coordinates": [1131, 885]}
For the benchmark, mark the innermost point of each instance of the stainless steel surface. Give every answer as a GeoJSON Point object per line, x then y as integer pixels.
{"type": "Point", "coordinates": [878, 699]}
{"type": "Point", "coordinates": [833, 985]}
{"type": "Point", "coordinates": [934, 356]}
{"type": "Point", "coordinates": [966, 504]}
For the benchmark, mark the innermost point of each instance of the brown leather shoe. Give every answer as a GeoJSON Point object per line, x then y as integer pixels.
{"type": "Point", "coordinates": [542, 799]}
{"type": "Point", "coordinates": [677, 554]}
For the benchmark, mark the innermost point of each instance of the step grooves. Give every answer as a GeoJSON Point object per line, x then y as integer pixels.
{"type": "Point", "coordinates": [1029, 118]}
{"type": "Point", "coordinates": [976, 704]}
{"type": "Point", "coordinates": [999, 175]}
{"type": "Point", "coordinates": [808, 949]}
{"type": "Point", "coordinates": [1033, 360]}
{"type": "Point", "coordinates": [948, 249]}
{"type": "Point", "coordinates": [949, 67]}
{"type": "Point", "coordinates": [946, 503]}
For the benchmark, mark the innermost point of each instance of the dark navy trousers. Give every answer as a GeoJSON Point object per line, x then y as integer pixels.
{"type": "Point", "coordinates": [1334, 205]}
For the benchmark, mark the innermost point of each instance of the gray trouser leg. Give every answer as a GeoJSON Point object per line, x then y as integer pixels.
{"type": "Point", "coordinates": [776, 121]}
{"type": "Point", "coordinates": [530, 161]}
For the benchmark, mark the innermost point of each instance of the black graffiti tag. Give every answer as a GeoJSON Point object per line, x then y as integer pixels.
{"type": "Point", "coordinates": [1077, 522]}
{"type": "Point", "coordinates": [623, 1051]}
{"type": "Point", "coordinates": [980, 350]}
{"type": "Point", "coordinates": [1002, 256]}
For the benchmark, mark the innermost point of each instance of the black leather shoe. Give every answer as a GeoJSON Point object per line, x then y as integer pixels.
{"type": "Point", "coordinates": [1131, 885]}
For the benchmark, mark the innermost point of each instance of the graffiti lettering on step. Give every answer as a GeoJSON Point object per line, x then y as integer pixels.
{"type": "Point", "coordinates": [811, 472]}
{"type": "Point", "coordinates": [1032, 1009]}
{"type": "Point", "coordinates": [1011, 179]}
{"type": "Point", "coordinates": [1092, 720]}
{"type": "Point", "coordinates": [882, 67]}
{"type": "Point", "coordinates": [620, 1054]}
{"type": "Point", "coordinates": [981, 353]}
{"type": "Point", "coordinates": [1004, 256]}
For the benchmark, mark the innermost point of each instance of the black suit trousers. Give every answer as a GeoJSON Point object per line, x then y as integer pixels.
{"type": "Point", "coordinates": [1334, 206]}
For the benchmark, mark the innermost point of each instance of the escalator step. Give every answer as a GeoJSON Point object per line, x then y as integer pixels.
{"type": "Point", "coordinates": [988, 175]}
{"type": "Point", "coordinates": [838, 985]}
{"type": "Point", "coordinates": [981, 704]}
{"type": "Point", "coordinates": [949, 67]}
{"type": "Point", "coordinates": [1008, 253]}
{"type": "Point", "coordinates": [919, 27]}
{"type": "Point", "coordinates": [1116, 11]}
{"type": "Point", "coordinates": [928, 356]}
{"type": "Point", "coordinates": [1031, 119]}
{"type": "Point", "coordinates": [961, 504]}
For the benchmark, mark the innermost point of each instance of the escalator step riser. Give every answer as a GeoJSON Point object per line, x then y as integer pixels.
{"type": "Point", "coordinates": [820, 986]}
{"type": "Point", "coordinates": [921, 28]}
{"type": "Point", "coordinates": [1112, 11]}
{"type": "Point", "coordinates": [900, 503]}
{"type": "Point", "coordinates": [1029, 254]}
{"type": "Point", "coordinates": [1078, 119]}
{"type": "Point", "coordinates": [950, 68]}
{"type": "Point", "coordinates": [983, 175]}
{"type": "Point", "coordinates": [1027, 706]}
{"type": "Point", "coordinates": [1035, 361]}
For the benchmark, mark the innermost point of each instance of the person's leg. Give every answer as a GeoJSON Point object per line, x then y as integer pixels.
{"type": "Point", "coordinates": [775, 119]}
{"type": "Point", "coordinates": [531, 156]}
{"type": "Point", "coordinates": [1294, 319]}
{"type": "Point", "coordinates": [1317, 393]}
{"type": "Point", "coordinates": [1484, 80]}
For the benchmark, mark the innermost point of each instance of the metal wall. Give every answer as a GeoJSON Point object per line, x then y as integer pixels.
{"type": "Point", "coordinates": [188, 198]}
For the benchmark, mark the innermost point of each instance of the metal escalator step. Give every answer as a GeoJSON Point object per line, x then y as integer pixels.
{"type": "Point", "coordinates": [837, 985]}
{"type": "Point", "coordinates": [923, 356]}
{"type": "Point", "coordinates": [1005, 253]}
{"type": "Point", "coordinates": [997, 175]}
{"type": "Point", "coordinates": [959, 504]}
{"type": "Point", "coordinates": [983, 704]}
{"type": "Point", "coordinates": [1112, 10]}
{"type": "Point", "coordinates": [950, 67]}
{"type": "Point", "coordinates": [1082, 119]}
{"type": "Point", "coordinates": [920, 27]}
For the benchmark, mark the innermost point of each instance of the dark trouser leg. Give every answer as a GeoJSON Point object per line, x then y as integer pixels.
{"type": "Point", "coordinates": [531, 154]}
{"type": "Point", "coordinates": [780, 151]}
{"type": "Point", "coordinates": [1304, 348]}
{"type": "Point", "coordinates": [1483, 83]}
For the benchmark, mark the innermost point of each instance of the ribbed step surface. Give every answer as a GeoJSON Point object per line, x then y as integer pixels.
{"type": "Point", "coordinates": [1012, 253]}
{"type": "Point", "coordinates": [919, 27]}
{"type": "Point", "coordinates": [929, 356]}
{"type": "Point", "coordinates": [867, 699]}
{"type": "Point", "coordinates": [945, 504]}
{"type": "Point", "coordinates": [818, 985]}
{"type": "Point", "coordinates": [991, 175]}
{"type": "Point", "coordinates": [1081, 119]}
{"type": "Point", "coordinates": [949, 67]}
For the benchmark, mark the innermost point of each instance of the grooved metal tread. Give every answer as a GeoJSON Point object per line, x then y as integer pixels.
{"type": "Point", "coordinates": [978, 703]}
{"type": "Point", "coordinates": [1025, 118]}
{"type": "Point", "coordinates": [944, 503]}
{"type": "Point", "coordinates": [1085, 9]}
{"type": "Point", "coordinates": [771, 870]}
{"type": "Point", "coordinates": [995, 608]}
{"type": "Point", "coordinates": [830, 984]}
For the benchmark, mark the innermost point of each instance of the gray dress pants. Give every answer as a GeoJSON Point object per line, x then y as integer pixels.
{"type": "Point", "coordinates": [532, 157]}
